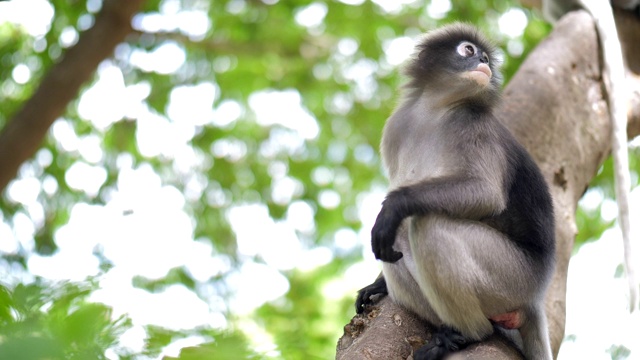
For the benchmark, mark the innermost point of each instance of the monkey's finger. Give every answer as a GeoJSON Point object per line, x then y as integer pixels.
{"type": "Point", "coordinates": [375, 246]}
{"type": "Point", "coordinates": [360, 302]}
{"type": "Point", "coordinates": [397, 255]}
{"type": "Point", "coordinates": [375, 242]}
{"type": "Point", "coordinates": [379, 245]}
{"type": "Point", "coordinates": [364, 298]}
{"type": "Point", "coordinates": [391, 255]}
{"type": "Point", "coordinates": [383, 250]}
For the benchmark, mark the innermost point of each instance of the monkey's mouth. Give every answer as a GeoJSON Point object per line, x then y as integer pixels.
{"type": "Point", "coordinates": [484, 68]}
{"type": "Point", "coordinates": [481, 75]}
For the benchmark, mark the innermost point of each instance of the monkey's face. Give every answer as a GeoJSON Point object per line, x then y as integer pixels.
{"type": "Point", "coordinates": [459, 64]}
{"type": "Point", "coordinates": [456, 60]}
{"type": "Point", "coordinates": [474, 64]}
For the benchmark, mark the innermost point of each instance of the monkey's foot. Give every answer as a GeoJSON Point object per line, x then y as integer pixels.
{"type": "Point", "coordinates": [444, 341]}
{"type": "Point", "coordinates": [379, 287]}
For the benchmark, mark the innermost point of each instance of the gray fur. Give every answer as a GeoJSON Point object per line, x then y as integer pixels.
{"type": "Point", "coordinates": [456, 269]}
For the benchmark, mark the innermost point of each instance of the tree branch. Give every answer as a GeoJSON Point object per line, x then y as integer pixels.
{"type": "Point", "coordinates": [555, 106]}
{"type": "Point", "coordinates": [316, 47]}
{"type": "Point", "coordinates": [23, 135]}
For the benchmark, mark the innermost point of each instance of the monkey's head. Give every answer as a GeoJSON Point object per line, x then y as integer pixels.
{"type": "Point", "coordinates": [458, 61]}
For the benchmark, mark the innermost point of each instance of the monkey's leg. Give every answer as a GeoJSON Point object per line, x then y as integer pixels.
{"type": "Point", "coordinates": [405, 291]}
{"type": "Point", "coordinates": [535, 337]}
{"type": "Point", "coordinates": [469, 273]}
{"type": "Point", "coordinates": [401, 282]}
{"type": "Point", "coordinates": [401, 278]}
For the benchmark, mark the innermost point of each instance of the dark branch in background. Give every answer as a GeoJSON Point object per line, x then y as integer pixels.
{"type": "Point", "coordinates": [317, 46]}
{"type": "Point", "coordinates": [555, 106]}
{"type": "Point", "coordinates": [23, 135]}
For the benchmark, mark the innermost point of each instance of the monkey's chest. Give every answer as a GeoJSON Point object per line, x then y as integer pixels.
{"type": "Point", "coordinates": [417, 161]}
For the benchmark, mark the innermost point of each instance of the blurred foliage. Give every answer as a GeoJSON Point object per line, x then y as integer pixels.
{"type": "Point", "coordinates": [227, 346]}
{"type": "Point", "coordinates": [251, 46]}
{"type": "Point", "coordinates": [619, 352]}
{"type": "Point", "coordinates": [55, 321]}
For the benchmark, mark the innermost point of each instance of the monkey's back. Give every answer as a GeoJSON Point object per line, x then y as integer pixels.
{"type": "Point", "coordinates": [528, 219]}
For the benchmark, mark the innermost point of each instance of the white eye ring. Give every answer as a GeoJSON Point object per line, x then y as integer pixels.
{"type": "Point", "coordinates": [466, 49]}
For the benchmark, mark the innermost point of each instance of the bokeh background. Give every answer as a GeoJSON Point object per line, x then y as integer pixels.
{"type": "Point", "coordinates": [210, 192]}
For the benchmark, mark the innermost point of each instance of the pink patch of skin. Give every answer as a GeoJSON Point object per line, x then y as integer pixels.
{"type": "Point", "coordinates": [510, 320]}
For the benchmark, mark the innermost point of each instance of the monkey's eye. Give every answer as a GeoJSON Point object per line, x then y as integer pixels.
{"type": "Point", "coordinates": [466, 49]}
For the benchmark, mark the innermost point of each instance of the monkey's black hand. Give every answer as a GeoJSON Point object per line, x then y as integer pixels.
{"type": "Point", "coordinates": [379, 287]}
{"type": "Point", "coordinates": [383, 234]}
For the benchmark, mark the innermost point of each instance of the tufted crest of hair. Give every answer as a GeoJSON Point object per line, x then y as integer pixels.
{"type": "Point", "coordinates": [428, 63]}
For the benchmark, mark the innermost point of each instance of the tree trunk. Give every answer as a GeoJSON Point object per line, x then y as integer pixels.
{"type": "Point", "coordinates": [555, 105]}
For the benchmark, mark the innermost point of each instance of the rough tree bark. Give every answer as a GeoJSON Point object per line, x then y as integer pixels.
{"type": "Point", "coordinates": [24, 133]}
{"type": "Point", "coordinates": [555, 106]}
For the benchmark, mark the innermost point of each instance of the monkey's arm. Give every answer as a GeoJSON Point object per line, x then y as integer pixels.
{"type": "Point", "coordinates": [460, 197]}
